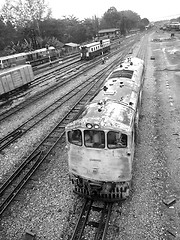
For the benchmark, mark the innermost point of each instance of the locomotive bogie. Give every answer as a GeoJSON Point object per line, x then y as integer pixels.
{"type": "Point", "coordinates": [100, 190]}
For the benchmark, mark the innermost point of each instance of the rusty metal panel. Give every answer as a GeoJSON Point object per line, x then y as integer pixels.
{"type": "Point", "coordinates": [29, 73]}
{"type": "Point", "coordinates": [10, 82]}
{"type": "Point", "coordinates": [98, 164]}
{"type": "Point", "coordinates": [2, 90]}
{"type": "Point", "coordinates": [17, 78]}
{"type": "Point", "coordinates": [5, 84]}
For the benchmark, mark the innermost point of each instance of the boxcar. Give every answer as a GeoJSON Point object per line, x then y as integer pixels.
{"type": "Point", "coordinates": [15, 78]}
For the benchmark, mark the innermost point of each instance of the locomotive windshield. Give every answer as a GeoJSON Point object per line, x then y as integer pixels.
{"type": "Point", "coordinates": [122, 73]}
{"type": "Point", "coordinates": [75, 137]}
{"type": "Point", "coordinates": [116, 140]}
{"type": "Point", "coordinates": [94, 138]}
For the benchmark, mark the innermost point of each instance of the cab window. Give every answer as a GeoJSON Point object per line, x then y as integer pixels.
{"type": "Point", "coordinates": [116, 140]}
{"type": "Point", "coordinates": [122, 73]}
{"type": "Point", "coordinates": [75, 137]}
{"type": "Point", "coordinates": [94, 139]}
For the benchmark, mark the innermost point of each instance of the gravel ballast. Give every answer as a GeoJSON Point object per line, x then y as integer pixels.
{"type": "Point", "coordinates": [47, 205]}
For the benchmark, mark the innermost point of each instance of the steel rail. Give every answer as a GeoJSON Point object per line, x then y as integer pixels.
{"type": "Point", "coordinates": [34, 120]}
{"type": "Point", "coordinates": [31, 100]}
{"type": "Point", "coordinates": [41, 152]}
{"type": "Point", "coordinates": [100, 227]}
{"type": "Point", "coordinates": [47, 144]}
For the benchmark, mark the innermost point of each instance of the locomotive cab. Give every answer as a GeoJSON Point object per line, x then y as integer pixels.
{"type": "Point", "coordinates": [84, 52]}
{"type": "Point", "coordinates": [100, 162]}
{"type": "Point", "coordinates": [100, 153]}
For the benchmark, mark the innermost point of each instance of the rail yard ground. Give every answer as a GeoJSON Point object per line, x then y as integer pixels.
{"type": "Point", "coordinates": [48, 208]}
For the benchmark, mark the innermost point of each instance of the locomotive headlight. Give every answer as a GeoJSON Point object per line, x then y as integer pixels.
{"type": "Point", "coordinates": [96, 126]}
{"type": "Point", "coordinates": [89, 125]}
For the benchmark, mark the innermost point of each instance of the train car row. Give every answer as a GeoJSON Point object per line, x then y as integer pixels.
{"type": "Point", "coordinates": [44, 55]}
{"type": "Point", "coordinates": [34, 58]}
{"type": "Point", "coordinates": [15, 78]}
{"type": "Point", "coordinates": [101, 140]}
{"type": "Point", "coordinates": [8, 77]}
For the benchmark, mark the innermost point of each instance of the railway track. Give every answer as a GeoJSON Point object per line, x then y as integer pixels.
{"type": "Point", "coordinates": [86, 228]}
{"type": "Point", "coordinates": [65, 67]}
{"type": "Point", "coordinates": [11, 187]}
{"type": "Point", "coordinates": [34, 120]}
{"type": "Point", "coordinates": [66, 59]}
{"type": "Point", "coordinates": [92, 229]}
{"type": "Point", "coordinates": [60, 79]}
{"type": "Point", "coordinates": [41, 153]}
{"type": "Point", "coordinates": [57, 72]}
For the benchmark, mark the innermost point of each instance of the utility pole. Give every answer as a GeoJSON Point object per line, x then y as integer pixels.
{"type": "Point", "coordinates": [33, 38]}
{"type": "Point", "coordinates": [47, 47]}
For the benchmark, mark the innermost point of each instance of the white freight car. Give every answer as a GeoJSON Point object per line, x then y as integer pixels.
{"type": "Point", "coordinates": [15, 78]}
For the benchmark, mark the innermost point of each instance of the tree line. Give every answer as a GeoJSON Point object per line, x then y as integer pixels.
{"type": "Point", "coordinates": [27, 25]}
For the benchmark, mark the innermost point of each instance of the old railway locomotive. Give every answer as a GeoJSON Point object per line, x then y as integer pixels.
{"type": "Point", "coordinates": [100, 140]}
{"type": "Point", "coordinates": [95, 49]}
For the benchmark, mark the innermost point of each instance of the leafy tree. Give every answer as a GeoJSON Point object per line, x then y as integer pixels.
{"type": "Point", "coordinates": [8, 33]}
{"type": "Point", "coordinates": [110, 18]}
{"type": "Point", "coordinates": [52, 27]}
{"type": "Point", "coordinates": [27, 24]}
{"type": "Point", "coordinates": [145, 21]}
{"type": "Point", "coordinates": [91, 28]}
{"type": "Point", "coordinates": [25, 12]}
{"type": "Point", "coordinates": [74, 30]}
{"type": "Point", "coordinates": [132, 19]}
{"type": "Point", "coordinates": [26, 15]}
{"type": "Point", "coordinates": [124, 20]}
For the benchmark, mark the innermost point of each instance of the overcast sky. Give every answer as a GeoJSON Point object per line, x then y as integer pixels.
{"type": "Point", "coordinates": [151, 9]}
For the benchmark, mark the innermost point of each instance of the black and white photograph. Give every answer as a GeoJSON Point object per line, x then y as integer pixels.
{"type": "Point", "coordinates": [89, 120]}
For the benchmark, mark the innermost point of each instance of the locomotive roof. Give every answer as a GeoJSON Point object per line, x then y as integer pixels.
{"type": "Point", "coordinates": [95, 43]}
{"type": "Point", "coordinates": [122, 85]}
{"type": "Point", "coordinates": [41, 50]}
{"type": "Point", "coordinates": [7, 71]}
{"type": "Point", "coordinates": [12, 56]}
{"type": "Point", "coordinates": [107, 114]}
{"type": "Point", "coordinates": [115, 104]}
{"type": "Point", "coordinates": [133, 64]}
{"type": "Point", "coordinates": [109, 30]}
{"type": "Point", "coordinates": [25, 53]}
{"type": "Point", "coordinates": [121, 91]}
